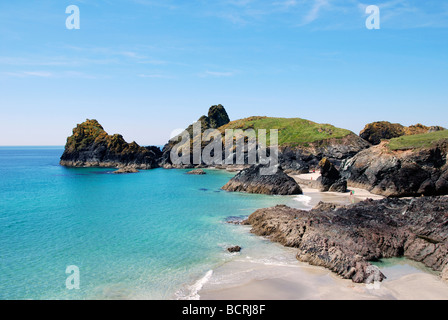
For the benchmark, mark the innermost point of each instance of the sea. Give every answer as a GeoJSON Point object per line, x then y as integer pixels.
{"type": "Point", "coordinates": [156, 234]}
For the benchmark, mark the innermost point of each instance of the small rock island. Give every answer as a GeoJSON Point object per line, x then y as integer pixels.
{"type": "Point", "coordinates": [91, 146]}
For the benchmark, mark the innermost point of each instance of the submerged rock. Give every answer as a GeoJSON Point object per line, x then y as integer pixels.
{"type": "Point", "coordinates": [197, 172]}
{"type": "Point", "coordinates": [234, 249]}
{"type": "Point", "coordinates": [251, 180]}
{"type": "Point", "coordinates": [345, 239]}
{"type": "Point", "coordinates": [125, 170]}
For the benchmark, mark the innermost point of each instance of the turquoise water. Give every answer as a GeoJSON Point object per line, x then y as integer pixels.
{"type": "Point", "coordinates": [137, 236]}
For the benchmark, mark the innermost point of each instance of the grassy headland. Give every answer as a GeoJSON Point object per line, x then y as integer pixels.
{"type": "Point", "coordinates": [418, 141]}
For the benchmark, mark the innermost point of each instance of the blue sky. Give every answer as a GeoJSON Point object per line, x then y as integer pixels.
{"type": "Point", "coordinates": [144, 68]}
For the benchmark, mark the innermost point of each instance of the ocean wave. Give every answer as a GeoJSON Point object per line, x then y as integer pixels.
{"type": "Point", "coordinates": [305, 200]}
{"type": "Point", "coordinates": [192, 292]}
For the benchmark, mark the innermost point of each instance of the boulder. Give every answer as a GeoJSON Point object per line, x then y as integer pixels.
{"type": "Point", "coordinates": [330, 179]}
{"type": "Point", "coordinates": [234, 249]}
{"type": "Point", "coordinates": [252, 180]}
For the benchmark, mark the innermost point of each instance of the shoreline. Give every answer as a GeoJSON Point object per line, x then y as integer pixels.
{"type": "Point", "coordinates": [245, 279]}
{"type": "Point", "coordinates": [301, 281]}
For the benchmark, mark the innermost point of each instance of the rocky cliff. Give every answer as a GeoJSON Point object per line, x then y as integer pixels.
{"type": "Point", "coordinates": [400, 173]}
{"type": "Point", "coordinates": [91, 146]}
{"type": "Point", "coordinates": [217, 117]}
{"type": "Point", "coordinates": [251, 180]}
{"type": "Point", "coordinates": [345, 239]}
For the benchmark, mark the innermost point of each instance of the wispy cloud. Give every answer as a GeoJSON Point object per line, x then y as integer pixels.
{"type": "Point", "coordinates": [24, 74]}
{"type": "Point", "coordinates": [155, 76]}
{"type": "Point", "coordinates": [316, 8]}
{"type": "Point", "coordinates": [218, 74]}
{"type": "Point", "coordinates": [48, 74]}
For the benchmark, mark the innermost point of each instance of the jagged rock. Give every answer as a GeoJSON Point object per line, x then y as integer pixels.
{"type": "Point", "coordinates": [399, 173]}
{"type": "Point", "coordinates": [345, 239]}
{"type": "Point", "coordinates": [217, 117]}
{"type": "Point", "coordinates": [234, 249]}
{"type": "Point", "coordinates": [383, 130]}
{"type": "Point", "coordinates": [197, 172]}
{"type": "Point", "coordinates": [91, 146]}
{"type": "Point", "coordinates": [301, 159]}
{"type": "Point", "coordinates": [330, 179]}
{"type": "Point", "coordinates": [124, 170]}
{"type": "Point", "coordinates": [252, 181]}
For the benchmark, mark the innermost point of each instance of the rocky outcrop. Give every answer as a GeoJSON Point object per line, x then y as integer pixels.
{"type": "Point", "coordinates": [345, 239]}
{"type": "Point", "coordinates": [91, 146]}
{"type": "Point", "coordinates": [399, 173]}
{"type": "Point", "coordinates": [252, 180]}
{"type": "Point", "coordinates": [300, 159]}
{"type": "Point", "coordinates": [330, 179]}
{"type": "Point", "coordinates": [217, 117]}
{"type": "Point", "coordinates": [383, 130]}
{"type": "Point", "coordinates": [197, 172]}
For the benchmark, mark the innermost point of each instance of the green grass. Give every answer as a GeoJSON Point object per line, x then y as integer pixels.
{"type": "Point", "coordinates": [418, 141]}
{"type": "Point", "coordinates": [292, 131]}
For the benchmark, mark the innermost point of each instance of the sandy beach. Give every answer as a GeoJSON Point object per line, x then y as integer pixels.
{"type": "Point", "coordinates": [252, 279]}
{"type": "Point", "coordinates": [304, 282]}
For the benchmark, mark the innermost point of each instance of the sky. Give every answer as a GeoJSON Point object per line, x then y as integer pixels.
{"type": "Point", "coordinates": [144, 68]}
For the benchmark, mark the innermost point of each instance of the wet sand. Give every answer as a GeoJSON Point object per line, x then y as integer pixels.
{"type": "Point", "coordinates": [258, 281]}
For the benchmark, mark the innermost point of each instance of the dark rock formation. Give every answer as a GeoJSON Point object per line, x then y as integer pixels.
{"type": "Point", "coordinates": [234, 249]}
{"type": "Point", "coordinates": [91, 146]}
{"type": "Point", "coordinates": [330, 179]}
{"type": "Point", "coordinates": [382, 130]}
{"type": "Point", "coordinates": [399, 173]}
{"type": "Point", "coordinates": [345, 238]}
{"type": "Point", "coordinates": [252, 181]}
{"type": "Point", "coordinates": [197, 172]}
{"type": "Point", "coordinates": [301, 159]}
{"type": "Point", "coordinates": [217, 117]}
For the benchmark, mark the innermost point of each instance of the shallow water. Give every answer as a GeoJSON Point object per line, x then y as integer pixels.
{"type": "Point", "coordinates": [150, 235]}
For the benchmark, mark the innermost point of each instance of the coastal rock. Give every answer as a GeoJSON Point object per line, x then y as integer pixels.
{"type": "Point", "coordinates": [197, 172]}
{"type": "Point", "coordinates": [383, 130]}
{"type": "Point", "coordinates": [234, 249]}
{"type": "Point", "coordinates": [377, 131]}
{"type": "Point", "coordinates": [252, 181]}
{"type": "Point", "coordinates": [330, 179]}
{"type": "Point", "coordinates": [91, 146]}
{"type": "Point", "coordinates": [295, 157]}
{"type": "Point", "coordinates": [301, 159]}
{"type": "Point", "coordinates": [345, 239]}
{"type": "Point", "coordinates": [217, 117]}
{"type": "Point", "coordinates": [399, 173]}
{"type": "Point", "coordinates": [125, 170]}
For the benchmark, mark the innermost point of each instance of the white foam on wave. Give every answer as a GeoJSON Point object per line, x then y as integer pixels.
{"type": "Point", "coordinates": [305, 200]}
{"type": "Point", "coordinates": [192, 292]}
